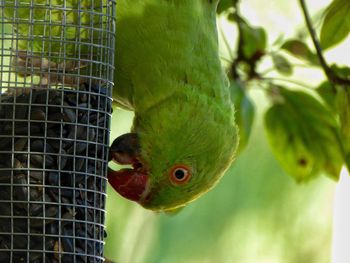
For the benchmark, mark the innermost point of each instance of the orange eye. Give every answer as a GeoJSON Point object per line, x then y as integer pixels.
{"type": "Point", "coordinates": [180, 174]}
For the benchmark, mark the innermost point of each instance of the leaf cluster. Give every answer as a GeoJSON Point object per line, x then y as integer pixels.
{"type": "Point", "coordinates": [308, 128]}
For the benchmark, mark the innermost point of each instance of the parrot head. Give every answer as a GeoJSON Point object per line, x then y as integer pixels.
{"type": "Point", "coordinates": [177, 151]}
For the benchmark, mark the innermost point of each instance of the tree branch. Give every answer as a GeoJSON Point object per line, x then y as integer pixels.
{"type": "Point", "coordinates": [331, 75]}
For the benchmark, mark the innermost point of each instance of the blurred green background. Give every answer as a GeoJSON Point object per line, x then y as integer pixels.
{"type": "Point", "coordinates": [256, 213]}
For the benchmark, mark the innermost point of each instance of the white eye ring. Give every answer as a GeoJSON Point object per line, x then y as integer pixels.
{"type": "Point", "coordinates": [180, 174]}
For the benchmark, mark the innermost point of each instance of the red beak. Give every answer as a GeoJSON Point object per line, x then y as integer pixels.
{"type": "Point", "coordinates": [129, 183]}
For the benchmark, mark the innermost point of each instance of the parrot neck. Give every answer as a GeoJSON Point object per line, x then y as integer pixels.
{"type": "Point", "coordinates": [186, 100]}
{"type": "Point", "coordinates": [184, 93]}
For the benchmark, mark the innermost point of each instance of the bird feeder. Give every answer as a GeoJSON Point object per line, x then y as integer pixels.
{"type": "Point", "coordinates": [56, 77]}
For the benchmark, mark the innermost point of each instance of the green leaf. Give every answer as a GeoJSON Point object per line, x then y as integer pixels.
{"type": "Point", "coordinates": [300, 50]}
{"type": "Point", "coordinates": [224, 5]}
{"type": "Point", "coordinates": [279, 40]}
{"type": "Point", "coordinates": [328, 94]}
{"type": "Point", "coordinates": [343, 106]}
{"type": "Point", "coordinates": [341, 71]}
{"type": "Point", "coordinates": [336, 24]}
{"type": "Point", "coordinates": [245, 112]}
{"type": "Point", "coordinates": [254, 40]}
{"type": "Point", "coordinates": [303, 135]}
{"type": "Point", "coordinates": [282, 65]}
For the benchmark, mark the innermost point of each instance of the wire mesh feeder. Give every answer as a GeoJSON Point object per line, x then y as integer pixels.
{"type": "Point", "coordinates": [55, 104]}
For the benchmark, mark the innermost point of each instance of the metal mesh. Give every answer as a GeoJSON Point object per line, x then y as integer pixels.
{"type": "Point", "coordinates": [56, 73]}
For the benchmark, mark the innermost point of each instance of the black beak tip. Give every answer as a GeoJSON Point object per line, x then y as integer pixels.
{"type": "Point", "coordinates": [127, 143]}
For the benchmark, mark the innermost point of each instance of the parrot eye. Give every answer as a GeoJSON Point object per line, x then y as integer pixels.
{"type": "Point", "coordinates": [180, 174]}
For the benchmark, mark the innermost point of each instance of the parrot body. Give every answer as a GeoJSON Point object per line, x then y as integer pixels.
{"type": "Point", "coordinates": [168, 72]}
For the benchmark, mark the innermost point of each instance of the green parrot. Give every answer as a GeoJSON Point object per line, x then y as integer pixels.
{"type": "Point", "coordinates": [168, 72]}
